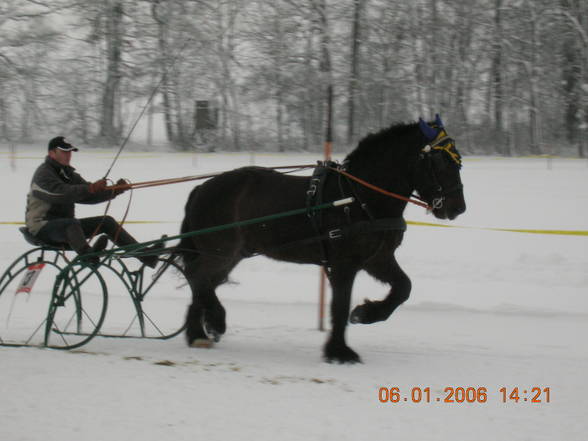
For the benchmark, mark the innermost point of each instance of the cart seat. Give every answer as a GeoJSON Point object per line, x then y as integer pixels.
{"type": "Point", "coordinates": [35, 241]}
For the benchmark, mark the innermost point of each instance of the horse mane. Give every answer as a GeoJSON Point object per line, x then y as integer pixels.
{"type": "Point", "coordinates": [393, 140]}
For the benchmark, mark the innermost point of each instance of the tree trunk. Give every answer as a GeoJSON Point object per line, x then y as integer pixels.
{"type": "Point", "coordinates": [150, 124]}
{"type": "Point", "coordinates": [498, 95]}
{"type": "Point", "coordinates": [418, 61]}
{"type": "Point", "coordinates": [434, 68]}
{"type": "Point", "coordinates": [161, 19]}
{"type": "Point", "coordinates": [572, 79]}
{"type": "Point", "coordinates": [355, 60]}
{"type": "Point", "coordinates": [227, 12]}
{"type": "Point", "coordinates": [279, 50]}
{"type": "Point", "coordinates": [27, 109]}
{"type": "Point", "coordinates": [181, 138]}
{"type": "Point", "coordinates": [307, 107]}
{"type": "Point", "coordinates": [326, 66]}
{"type": "Point", "coordinates": [3, 116]}
{"type": "Point", "coordinates": [534, 129]}
{"type": "Point", "coordinates": [113, 46]}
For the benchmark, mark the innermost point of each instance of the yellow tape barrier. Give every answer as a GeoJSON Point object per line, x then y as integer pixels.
{"type": "Point", "coordinates": [415, 223]}
{"type": "Point", "coordinates": [509, 230]}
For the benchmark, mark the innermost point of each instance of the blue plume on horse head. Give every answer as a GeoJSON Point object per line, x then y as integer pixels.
{"type": "Point", "coordinates": [429, 132]}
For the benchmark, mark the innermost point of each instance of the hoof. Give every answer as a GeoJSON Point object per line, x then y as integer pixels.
{"type": "Point", "coordinates": [339, 361]}
{"type": "Point", "coordinates": [356, 316]}
{"type": "Point", "coordinates": [202, 343]}
{"type": "Point", "coordinates": [369, 312]}
{"type": "Point", "coordinates": [212, 334]}
{"type": "Point", "coordinates": [343, 360]}
{"type": "Point", "coordinates": [341, 354]}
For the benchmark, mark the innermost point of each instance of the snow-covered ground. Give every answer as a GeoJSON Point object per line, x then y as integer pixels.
{"type": "Point", "coordinates": [488, 310]}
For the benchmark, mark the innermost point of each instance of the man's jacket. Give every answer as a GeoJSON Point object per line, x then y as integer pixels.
{"type": "Point", "coordinates": [55, 189]}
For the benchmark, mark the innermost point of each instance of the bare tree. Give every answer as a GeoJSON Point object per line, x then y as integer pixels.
{"type": "Point", "coordinates": [356, 37]}
{"type": "Point", "coordinates": [575, 71]}
{"type": "Point", "coordinates": [509, 75]}
{"type": "Point", "coordinates": [497, 74]}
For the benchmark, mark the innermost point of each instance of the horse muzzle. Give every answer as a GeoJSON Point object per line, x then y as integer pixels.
{"type": "Point", "coordinates": [448, 207]}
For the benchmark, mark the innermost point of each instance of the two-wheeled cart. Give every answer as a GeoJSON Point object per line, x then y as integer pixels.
{"type": "Point", "coordinates": [68, 304]}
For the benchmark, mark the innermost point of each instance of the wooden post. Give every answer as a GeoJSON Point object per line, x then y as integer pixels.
{"type": "Point", "coordinates": [150, 125]}
{"type": "Point", "coordinates": [328, 150]}
{"type": "Point", "coordinates": [12, 156]}
{"type": "Point", "coordinates": [326, 70]}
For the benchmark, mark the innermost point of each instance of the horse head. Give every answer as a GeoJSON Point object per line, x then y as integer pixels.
{"type": "Point", "coordinates": [438, 180]}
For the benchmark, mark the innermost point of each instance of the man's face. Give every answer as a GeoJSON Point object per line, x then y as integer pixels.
{"type": "Point", "coordinates": [60, 156]}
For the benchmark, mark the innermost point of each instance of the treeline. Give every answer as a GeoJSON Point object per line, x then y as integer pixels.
{"type": "Point", "coordinates": [509, 77]}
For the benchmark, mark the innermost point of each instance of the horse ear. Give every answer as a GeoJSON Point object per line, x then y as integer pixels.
{"type": "Point", "coordinates": [429, 132]}
{"type": "Point", "coordinates": [438, 121]}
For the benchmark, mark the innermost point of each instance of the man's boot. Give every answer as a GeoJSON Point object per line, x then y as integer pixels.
{"type": "Point", "coordinates": [124, 238]}
{"type": "Point", "coordinates": [100, 244]}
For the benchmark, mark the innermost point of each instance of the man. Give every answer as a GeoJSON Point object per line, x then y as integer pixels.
{"type": "Point", "coordinates": [50, 214]}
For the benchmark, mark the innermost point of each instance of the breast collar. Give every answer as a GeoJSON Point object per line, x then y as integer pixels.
{"type": "Point", "coordinates": [314, 196]}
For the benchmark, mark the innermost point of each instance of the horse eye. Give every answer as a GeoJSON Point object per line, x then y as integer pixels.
{"type": "Point", "coordinates": [440, 160]}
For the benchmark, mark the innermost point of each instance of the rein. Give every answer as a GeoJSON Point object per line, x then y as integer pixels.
{"type": "Point", "coordinates": [155, 183]}
{"type": "Point", "coordinates": [366, 184]}
{"type": "Point", "coordinates": [380, 190]}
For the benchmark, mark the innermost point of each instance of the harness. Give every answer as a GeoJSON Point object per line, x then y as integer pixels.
{"type": "Point", "coordinates": [433, 158]}
{"type": "Point", "coordinates": [314, 196]}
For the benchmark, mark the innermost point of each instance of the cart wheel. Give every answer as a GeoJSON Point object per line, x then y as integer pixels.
{"type": "Point", "coordinates": [159, 298]}
{"type": "Point", "coordinates": [77, 308]}
{"type": "Point", "coordinates": [164, 298]}
{"type": "Point", "coordinates": [23, 315]}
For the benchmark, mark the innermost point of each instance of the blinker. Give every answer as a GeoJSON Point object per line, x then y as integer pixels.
{"type": "Point", "coordinates": [446, 144]}
{"type": "Point", "coordinates": [429, 132]}
{"type": "Point", "coordinates": [438, 121]}
{"type": "Point", "coordinates": [439, 140]}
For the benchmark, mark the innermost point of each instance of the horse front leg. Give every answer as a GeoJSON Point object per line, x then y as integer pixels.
{"type": "Point", "coordinates": [384, 269]}
{"type": "Point", "coordinates": [336, 350]}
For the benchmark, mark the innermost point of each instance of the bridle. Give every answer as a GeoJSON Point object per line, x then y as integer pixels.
{"type": "Point", "coordinates": [434, 157]}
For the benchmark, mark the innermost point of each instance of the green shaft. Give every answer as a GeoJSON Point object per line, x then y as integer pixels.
{"type": "Point", "coordinates": [64, 274]}
{"type": "Point", "coordinates": [256, 220]}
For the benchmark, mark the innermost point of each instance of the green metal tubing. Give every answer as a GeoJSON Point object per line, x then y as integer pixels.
{"type": "Point", "coordinates": [140, 246]}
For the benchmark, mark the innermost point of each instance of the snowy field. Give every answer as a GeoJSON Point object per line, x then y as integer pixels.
{"type": "Point", "coordinates": [488, 309]}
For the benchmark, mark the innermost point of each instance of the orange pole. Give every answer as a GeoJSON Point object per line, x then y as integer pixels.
{"type": "Point", "coordinates": [322, 273]}
{"type": "Point", "coordinates": [328, 152]}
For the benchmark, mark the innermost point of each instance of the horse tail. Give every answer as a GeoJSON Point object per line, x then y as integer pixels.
{"type": "Point", "coordinates": [186, 250]}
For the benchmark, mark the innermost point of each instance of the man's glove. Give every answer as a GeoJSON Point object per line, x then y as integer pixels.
{"type": "Point", "coordinates": [98, 186]}
{"type": "Point", "coordinates": [125, 186]}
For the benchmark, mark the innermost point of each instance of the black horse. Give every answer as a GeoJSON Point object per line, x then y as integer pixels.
{"type": "Point", "coordinates": [345, 240]}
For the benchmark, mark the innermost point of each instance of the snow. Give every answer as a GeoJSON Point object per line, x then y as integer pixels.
{"type": "Point", "coordinates": [488, 309]}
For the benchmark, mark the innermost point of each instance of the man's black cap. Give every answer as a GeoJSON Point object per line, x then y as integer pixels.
{"type": "Point", "coordinates": [60, 143]}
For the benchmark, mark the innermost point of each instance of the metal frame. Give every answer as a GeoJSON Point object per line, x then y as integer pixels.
{"type": "Point", "coordinates": [68, 291]}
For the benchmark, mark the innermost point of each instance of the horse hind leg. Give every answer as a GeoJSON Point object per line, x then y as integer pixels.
{"type": "Point", "coordinates": [386, 270]}
{"type": "Point", "coordinates": [206, 322]}
{"type": "Point", "coordinates": [206, 318]}
{"type": "Point", "coordinates": [195, 334]}
{"type": "Point", "coordinates": [205, 325]}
